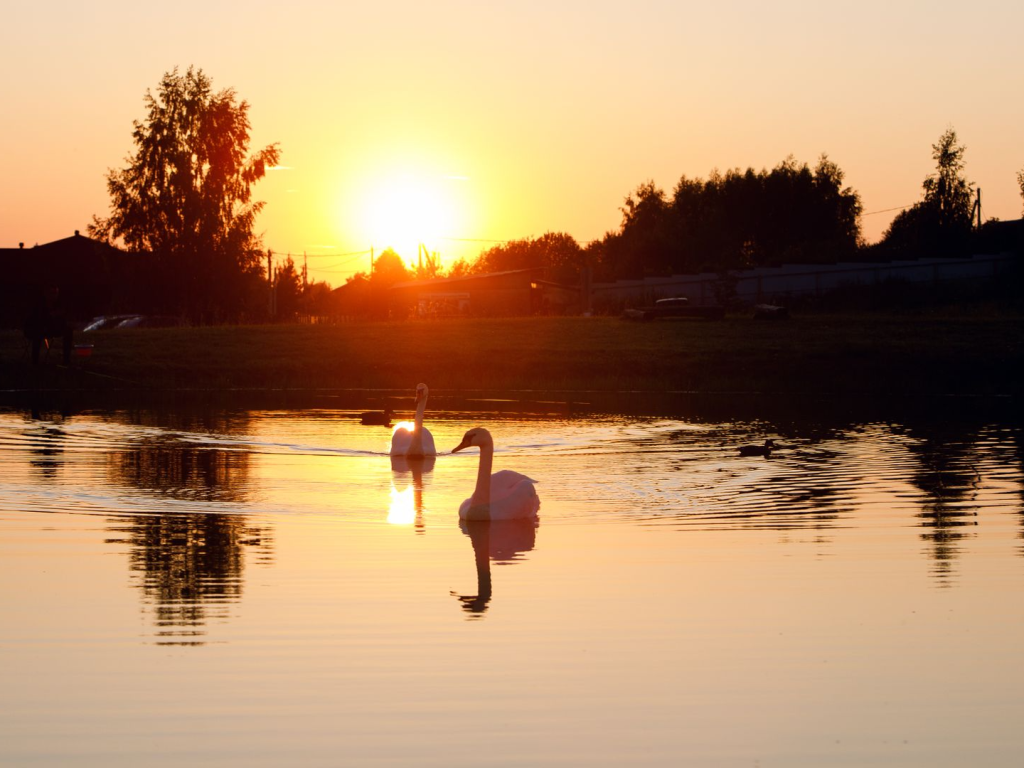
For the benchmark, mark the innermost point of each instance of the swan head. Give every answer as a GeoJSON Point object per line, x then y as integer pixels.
{"type": "Point", "coordinates": [477, 436]}
{"type": "Point", "coordinates": [421, 393]}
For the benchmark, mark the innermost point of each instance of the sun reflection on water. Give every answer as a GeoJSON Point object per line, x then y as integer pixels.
{"type": "Point", "coordinates": [402, 510]}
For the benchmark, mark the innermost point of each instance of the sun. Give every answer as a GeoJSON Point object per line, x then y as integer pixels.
{"type": "Point", "coordinates": [405, 211]}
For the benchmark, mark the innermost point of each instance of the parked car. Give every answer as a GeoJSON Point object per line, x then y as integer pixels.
{"type": "Point", "coordinates": [106, 322]}
{"type": "Point", "coordinates": [678, 301]}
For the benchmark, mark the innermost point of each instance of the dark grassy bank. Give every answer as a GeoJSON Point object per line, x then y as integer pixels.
{"type": "Point", "coordinates": [964, 353]}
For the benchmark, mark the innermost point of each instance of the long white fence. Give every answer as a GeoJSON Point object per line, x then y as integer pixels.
{"type": "Point", "coordinates": [768, 284]}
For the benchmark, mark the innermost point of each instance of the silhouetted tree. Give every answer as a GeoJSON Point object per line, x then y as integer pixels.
{"type": "Point", "coordinates": [941, 223]}
{"type": "Point", "coordinates": [647, 231]}
{"type": "Point", "coordinates": [287, 290]}
{"type": "Point", "coordinates": [389, 269]}
{"type": "Point", "coordinates": [911, 232]}
{"type": "Point", "coordinates": [734, 220]}
{"type": "Point", "coordinates": [460, 268]}
{"type": "Point", "coordinates": [316, 299]}
{"type": "Point", "coordinates": [836, 210]}
{"type": "Point", "coordinates": [1020, 183]}
{"type": "Point", "coordinates": [556, 252]}
{"type": "Point", "coordinates": [947, 190]}
{"type": "Point", "coordinates": [186, 196]}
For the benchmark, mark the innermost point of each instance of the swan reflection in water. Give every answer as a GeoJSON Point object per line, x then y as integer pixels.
{"type": "Point", "coordinates": [502, 541]}
{"type": "Point", "coordinates": [407, 504]}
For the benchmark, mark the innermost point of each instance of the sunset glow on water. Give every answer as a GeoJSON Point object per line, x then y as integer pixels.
{"type": "Point", "coordinates": [266, 588]}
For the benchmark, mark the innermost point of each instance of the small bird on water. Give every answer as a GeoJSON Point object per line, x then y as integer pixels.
{"type": "Point", "coordinates": [758, 450]}
{"type": "Point", "coordinates": [379, 418]}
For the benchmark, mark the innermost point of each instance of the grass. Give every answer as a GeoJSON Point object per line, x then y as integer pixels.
{"type": "Point", "coordinates": [865, 354]}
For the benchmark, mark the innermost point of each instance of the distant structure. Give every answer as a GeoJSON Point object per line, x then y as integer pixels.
{"type": "Point", "coordinates": [998, 248]}
{"type": "Point", "coordinates": [90, 277]}
{"type": "Point", "coordinates": [511, 293]}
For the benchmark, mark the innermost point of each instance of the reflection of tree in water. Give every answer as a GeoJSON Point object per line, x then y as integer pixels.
{"type": "Point", "coordinates": [502, 541]}
{"type": "Point", "coordinates": [189, 567]}
{"type": "Point", "coordinates": [946, 471]}
{"type": "Point", "coordinates": [179, 459]}
{"type": "Point", "coordinates": [1018, 441]}
{"type": "Point", "coordinates": [166, 466]}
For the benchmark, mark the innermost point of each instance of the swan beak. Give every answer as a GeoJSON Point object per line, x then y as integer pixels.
{"type": "Point", "coordinates": [464, 444]}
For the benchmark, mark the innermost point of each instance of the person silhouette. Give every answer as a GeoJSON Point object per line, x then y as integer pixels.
{"type": "Point", "coordinates": [46, 320]}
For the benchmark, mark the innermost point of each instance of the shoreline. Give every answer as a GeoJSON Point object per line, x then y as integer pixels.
{"type": "Point", "coordinates": [949, 356]}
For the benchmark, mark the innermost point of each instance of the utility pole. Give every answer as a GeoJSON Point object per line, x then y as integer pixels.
{"type": "Point", "coordinates": [304, 299]}
{"type": "Point", "coordinates": [270, 280]}
{"type": "Point", "coordinates": [371, 261]}
{"type": "Point", "coordinates": [976, 211]}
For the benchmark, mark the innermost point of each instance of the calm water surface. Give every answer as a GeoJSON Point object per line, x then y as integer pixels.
{"type": "Point", "coordinates": [266, 589]}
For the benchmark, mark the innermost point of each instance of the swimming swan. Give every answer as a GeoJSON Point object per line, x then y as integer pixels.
{"type": "Point", "coordinates": [419, 441]}
{"type": "Point", "coordinates": [505, 495]}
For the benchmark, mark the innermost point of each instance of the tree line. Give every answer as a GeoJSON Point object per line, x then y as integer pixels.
{"type": "Point", "coordinates": [185, 197]}
{"type": "Point", "coordinates": [742, 219]}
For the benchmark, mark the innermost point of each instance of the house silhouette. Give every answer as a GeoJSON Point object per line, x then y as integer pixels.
{"type": "Point", "coordinates": [91, 278]}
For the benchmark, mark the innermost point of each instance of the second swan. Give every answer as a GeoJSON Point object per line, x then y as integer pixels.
{"type": "Point", "coordinates": [504, 495]}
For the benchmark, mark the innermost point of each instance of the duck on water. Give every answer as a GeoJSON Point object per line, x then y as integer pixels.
{"type": "Point", "coordinates": [758, 450]}
{"type": "Point", "coordinates": [376, 418]}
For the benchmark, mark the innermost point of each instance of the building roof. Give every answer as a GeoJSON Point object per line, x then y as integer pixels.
{"type": "Point", "coordinates": [77, 245]}
{"type": "Point", "coordinates": [358, 282]}
{"type": "Point", "coordinates": [440, 281]}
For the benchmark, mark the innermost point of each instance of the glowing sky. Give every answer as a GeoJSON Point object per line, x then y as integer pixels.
{"type": "Point", "coordinates": [511, 119]}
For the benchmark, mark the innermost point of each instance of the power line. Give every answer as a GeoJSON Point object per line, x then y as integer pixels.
{"type": "Point", "coordinates": [888, 210]}
{"type": "Point", "coordinates": [339, 267]}
{"type": "Point", "coordinates": [473, 240]}
{"type": "Point", "coordinates": [324, 255]}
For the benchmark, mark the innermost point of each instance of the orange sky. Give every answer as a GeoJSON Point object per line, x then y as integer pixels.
{"type": "Point", "coordinates": [460, 123]}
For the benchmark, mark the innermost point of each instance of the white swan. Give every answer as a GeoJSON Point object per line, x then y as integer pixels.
{"type": "Point", "coordinates": [505, 495]}
{"type": "Point", "coordinates": [418, 441]}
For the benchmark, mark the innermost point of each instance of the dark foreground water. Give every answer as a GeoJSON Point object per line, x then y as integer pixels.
{"type": "Point", "coordinates": [264, 589]}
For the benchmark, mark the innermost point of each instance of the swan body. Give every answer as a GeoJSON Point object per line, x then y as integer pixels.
{"type": "Point", "coordinates": [416, 441]}
{"type": "Point", "coordinates": [504, 495]}
{"type": "Point", "coordinates": [758, 450]}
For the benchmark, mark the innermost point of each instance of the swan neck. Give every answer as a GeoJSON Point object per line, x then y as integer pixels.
{"type": "Point", "coordinates": [416, 443]}
{"type": "Point", "coordinates": [421, 407]}
{"type": "Point", "coordinates": [482, 494]}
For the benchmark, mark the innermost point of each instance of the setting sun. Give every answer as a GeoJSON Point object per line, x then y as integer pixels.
{"type": "Point", "coordinates": [404, 211]}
